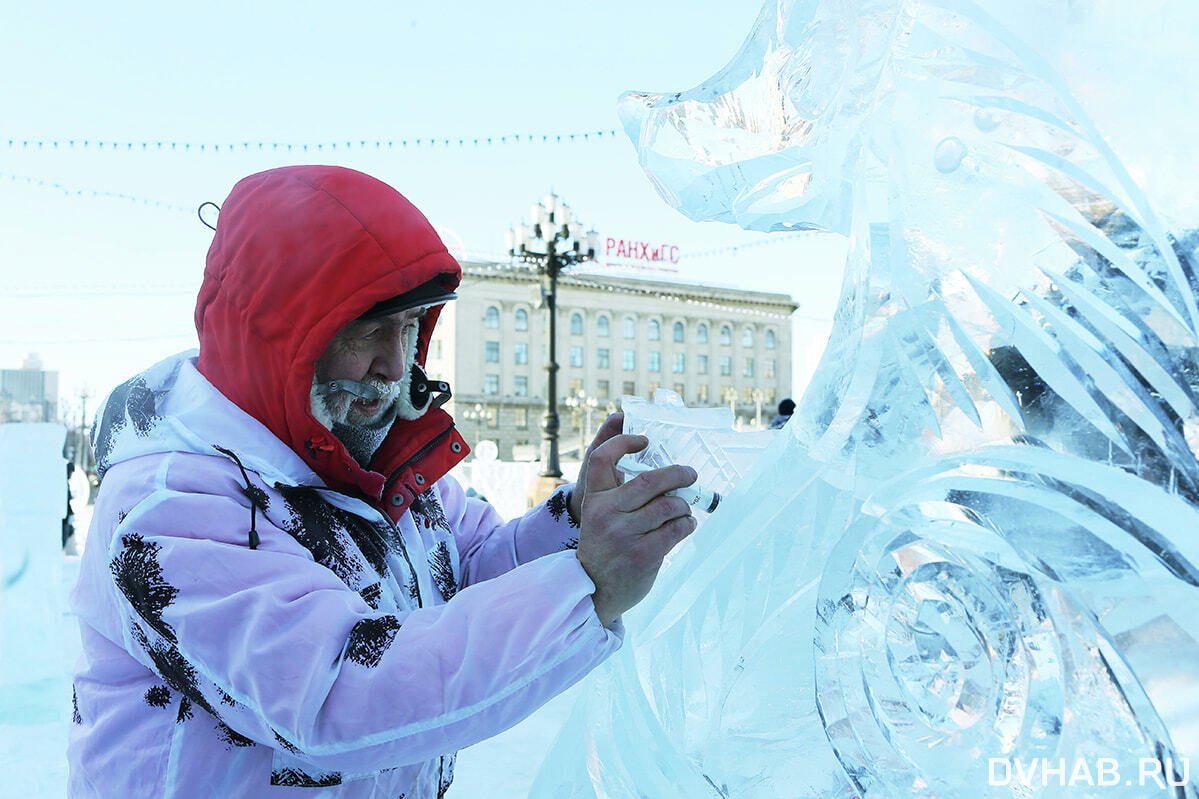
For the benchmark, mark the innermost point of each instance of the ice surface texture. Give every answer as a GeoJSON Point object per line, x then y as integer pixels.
{"type": "Point", "coordinates": [977, 540]}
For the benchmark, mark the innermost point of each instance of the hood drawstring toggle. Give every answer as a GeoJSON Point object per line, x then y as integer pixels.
{"type": "Point", "coordinates": [253, 493]}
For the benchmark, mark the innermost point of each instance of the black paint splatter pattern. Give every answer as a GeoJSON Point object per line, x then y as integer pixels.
{"type": "Point", "coordinates": [285, 744]}
{"type": "Point", "coordinates": [298, 778]}
{"type": "Point", "coordinates": [427, 511]}
{"type": "Point", "coordinates": [446, 774]}
{"type": "Point", "coordinates": [326, 531]}
{"type": "Point", "coordinates": [158, 696]}
{"type": "Point", "coordinates": [372, 594]}
{"type": "Point", "coordinates": [131, 401]}
{"type": "Point", "coordinates": [139, 577]}
{"type": "Point", "coordinates": [558, 505]}
{"type": "Point", "coordinates": [176, 671]}
{"type": "Point", "coordinates": [370, 639]}
{"type": "Point", "coordinates": [441, 566]}
{"type": "Point", "coordinates": [231, 737]}
{"type": "Point", "coordinates": [75, 717]}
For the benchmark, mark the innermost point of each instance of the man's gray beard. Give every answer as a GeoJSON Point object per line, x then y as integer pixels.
{"type": "Point", "coordinates": [363, 440]}
{"type": "Point", "coordinates": [361, 434]}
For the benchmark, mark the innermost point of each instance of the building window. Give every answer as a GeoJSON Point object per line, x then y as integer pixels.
{"type": "Point", "coordinates": [771, 365]}
{"type": "Point", "coordinates": [522, 319]}
{"type": "Point", "coordinates": [770, 340]}
{"type": "Point", "coordinates": [630, 387]}
{"type": "Point", "coordinates": [747, 337]}
{"type": "Point", "coordinates": [726, 366]}
{"type": "Point", "coordinates": [728, 394]}
{"type": "Point", "coordinates": [603, 358]}
{"type": "Point", "coordinates": [576, 387]}
{"type": "Point", "coordinates": [630, 327]}
{"type": "Point", "coordinates": [679, 388]}
{"type": "Point", "coordinates": [491, 352]}
{"type": "Point", "coordinates": [655, 362]}
{"type": "Point", "coordinates": [602, 326]}
{"type": "Point", "coordinates": [652, 388]}
{"type": "Point", "coordinates": [701, 393]}
{"type": "Point", "coordinates": [747, 395]}
{"type": "Point", "coordinates": [576, 324]}
{"type": "Point", "coordinates": [680, 363]}
{"type": "Point", "coordinates": [522, 417]}
{"type": "Point", "coordinates": [604, 389]}
{"type": "Point", "coordinates": [701, 364]}
{"type": "Point", "coordinates": [491, 384]}
{"type": "Point", "coordinates": [491, 319]}
{"type": "Point", "coordinates": [493, 416]}
{"type": "Point", "coordinates": [701, 333]}
{"type": "Point", "coordinates": [521, 388]}
{"type": "Point", "coordinates": [749, 367]}
{"type": "Point", "coordinates": [628, 360]}
{"type": "Point", "coordinates": [679, 332]}
{"type": "Point", "coordinates": [576, 357]}
{"type": "Point", "coordinates": [437, 349]}
{"type": "Point", "coordinates": [655, 330]}
{"type": "Point", "coordinates": [522, 352]}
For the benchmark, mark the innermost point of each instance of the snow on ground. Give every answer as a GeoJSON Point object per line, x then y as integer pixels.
{"type": "Point", "coordinates": [40, 639]}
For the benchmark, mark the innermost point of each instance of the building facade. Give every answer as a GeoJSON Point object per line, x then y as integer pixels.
{"type": "Point", "coordinates": [28, 394]}
{"type": "Point", "coordinates": [615, 336]}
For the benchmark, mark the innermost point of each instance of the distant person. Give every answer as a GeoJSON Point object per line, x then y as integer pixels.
{"type": "Point", "coordinates": [786, 408]}
{"type": "Point", "coordinates": [282, 588]}
{"type": "Point", "coordinates": [68, 520]}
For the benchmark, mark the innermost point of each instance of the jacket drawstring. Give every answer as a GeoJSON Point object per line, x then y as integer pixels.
{"type": "Point", "coordinates": [254, 539]}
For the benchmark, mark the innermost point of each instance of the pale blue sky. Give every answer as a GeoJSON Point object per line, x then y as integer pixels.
{"type": "Point", "coordinates": [219, 72]}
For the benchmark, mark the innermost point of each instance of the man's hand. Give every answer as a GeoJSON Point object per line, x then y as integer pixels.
{"type": "Point", "coordinates": [626, 530]}
{"type": "Point", "coordinates": [611, 427]}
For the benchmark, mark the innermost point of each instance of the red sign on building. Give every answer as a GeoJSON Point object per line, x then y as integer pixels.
{"type": "Point", "coordinates": [641, 250]}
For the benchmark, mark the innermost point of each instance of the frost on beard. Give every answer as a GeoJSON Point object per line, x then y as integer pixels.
{"type": "Point", "coordinates": [977, 541]}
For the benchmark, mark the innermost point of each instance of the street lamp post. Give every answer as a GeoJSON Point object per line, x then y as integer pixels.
{"type": "Point", "coordinates": [551, 243]}
{"type": "Point", "coordinates": [476, 414]}
{"type": "Point", "coordinates": [759, 397]}
{"type": "Point", "coordinates": [581, 406]}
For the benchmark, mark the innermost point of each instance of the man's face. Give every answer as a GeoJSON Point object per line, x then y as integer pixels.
{"type": "Point", "coordinates": [373, 351]}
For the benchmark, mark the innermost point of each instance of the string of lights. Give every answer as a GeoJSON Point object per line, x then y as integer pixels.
{"type": "Point", "coordinates": [75, 191]}
{"type": "Point", "coordinates": [277, 146]}
{"type": "Point", "coordinates": [98, 340]}
{"type": "Point", "coordinates": [768, 241]}
{"type": "Point", "coordinates": [102, 290]}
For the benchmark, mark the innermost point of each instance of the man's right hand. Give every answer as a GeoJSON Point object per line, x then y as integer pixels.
{"type": "Point", "coordinates": [627, 529]}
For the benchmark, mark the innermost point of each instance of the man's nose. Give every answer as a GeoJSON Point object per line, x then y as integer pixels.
{"type": "Point", "coordinates": [391, 360]}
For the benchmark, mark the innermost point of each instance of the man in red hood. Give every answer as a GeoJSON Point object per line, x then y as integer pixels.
{"type": "Point", "coordinates": [282, 587]}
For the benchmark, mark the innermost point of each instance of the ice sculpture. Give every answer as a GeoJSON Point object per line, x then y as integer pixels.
{"type": "Point", "coordinates": [967, 568]}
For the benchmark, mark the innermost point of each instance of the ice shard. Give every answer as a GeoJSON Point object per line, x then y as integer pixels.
{"type": "Point", "coordinates": [970, 563]}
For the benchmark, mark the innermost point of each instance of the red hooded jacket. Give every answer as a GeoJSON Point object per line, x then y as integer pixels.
{"type": "Point", "coordinates": [299, 252]}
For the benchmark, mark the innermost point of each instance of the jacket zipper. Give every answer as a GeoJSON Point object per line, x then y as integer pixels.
{"type": "Point", "coordinates": [422, 452]}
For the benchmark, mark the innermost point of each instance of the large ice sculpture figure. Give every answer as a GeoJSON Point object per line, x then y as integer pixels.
{"type": "Point", "coordinates": [968, 568]}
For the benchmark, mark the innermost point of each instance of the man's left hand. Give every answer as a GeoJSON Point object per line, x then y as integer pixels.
{"type": "Point", "coordinates": [611, 427]}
